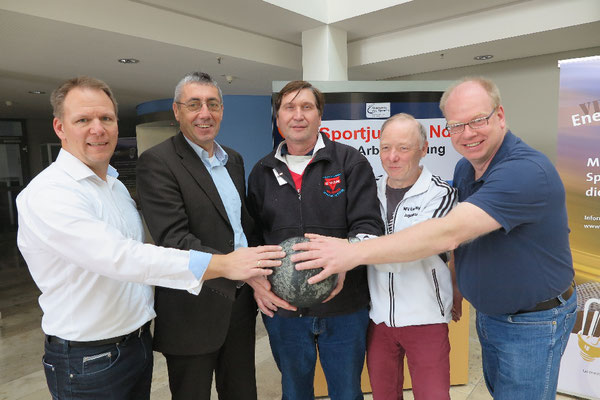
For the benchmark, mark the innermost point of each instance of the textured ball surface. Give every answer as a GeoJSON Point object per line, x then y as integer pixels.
{"type": "Point", "coordinates": [292, 286]}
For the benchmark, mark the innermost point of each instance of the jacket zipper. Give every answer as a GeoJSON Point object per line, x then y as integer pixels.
{"type": "Point", "coordinates": [389, 230]}
{"type": "Point", "coordinates": [392, 300]}
{"type": "Point", "coordinates": [292, 185]}
{"type": "Point", "coordinates": [300, 207]}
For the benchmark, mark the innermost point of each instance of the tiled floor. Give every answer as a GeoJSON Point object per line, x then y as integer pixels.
{"type": "Point", "coordinates": [21, 345]}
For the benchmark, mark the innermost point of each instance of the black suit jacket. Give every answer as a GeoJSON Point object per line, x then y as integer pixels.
{"type": "Point", "coordinates": [183, 209]}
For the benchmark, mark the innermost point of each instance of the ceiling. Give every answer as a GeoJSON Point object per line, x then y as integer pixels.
{"type": "Point", "coordinates": [260, 41]}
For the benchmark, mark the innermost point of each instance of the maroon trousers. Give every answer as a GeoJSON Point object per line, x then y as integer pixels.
{"type": "Point", "coordinates": [427, 349]}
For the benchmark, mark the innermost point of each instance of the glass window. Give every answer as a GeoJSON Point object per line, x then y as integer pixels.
{"type": "Point", "coordinates": [10, 165]}
{"type": "Point", "coordinates": [11, 128]}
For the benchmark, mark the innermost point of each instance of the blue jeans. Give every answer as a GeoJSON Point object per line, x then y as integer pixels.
{"type": "Point", "coordinates": [341, 342]}
{"type": "Point", "coordinates": [109, 372]}
{"type": "Point", "coordinates": [521, 352]}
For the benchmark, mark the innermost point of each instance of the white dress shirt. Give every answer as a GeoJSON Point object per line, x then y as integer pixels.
{"type": "Point", "coordinates": [82, 240]}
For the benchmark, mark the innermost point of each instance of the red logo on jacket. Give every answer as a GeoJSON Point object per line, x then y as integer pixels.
{"type": "Point", "coordinates": [332, 185]}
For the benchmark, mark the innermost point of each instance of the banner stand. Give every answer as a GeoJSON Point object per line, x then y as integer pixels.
{"type": "Point", "coordinates": [579, 167]}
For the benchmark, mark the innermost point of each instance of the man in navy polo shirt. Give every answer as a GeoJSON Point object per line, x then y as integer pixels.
{"type": "Point", "coordinates": [510, 232]}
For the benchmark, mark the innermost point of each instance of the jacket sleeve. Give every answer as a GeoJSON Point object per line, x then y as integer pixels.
{"type": "Point", "coordinates": [362, 210]}
{"type": "Point", "coordinates": [254, 204]}
{"type": "Point", "coordinates": [163, 206]}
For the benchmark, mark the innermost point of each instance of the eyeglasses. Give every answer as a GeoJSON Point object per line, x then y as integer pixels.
{"type": "Point", "coordinates": [196, 105]}
{"type": "Point", "coordinates": [455, 129]}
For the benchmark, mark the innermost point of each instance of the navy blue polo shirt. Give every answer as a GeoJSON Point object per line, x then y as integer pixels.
{"type": "Point", "coordinates": [528, 260]}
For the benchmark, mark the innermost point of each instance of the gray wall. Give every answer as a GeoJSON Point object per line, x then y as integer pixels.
{"type": "Point", "coordinates": [529, 88]}
{"type": "Point", "coordinates": [39, 131]}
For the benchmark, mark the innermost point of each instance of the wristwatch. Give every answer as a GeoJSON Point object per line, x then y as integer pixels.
{"type": "Point", "coordinates": [353, 239]}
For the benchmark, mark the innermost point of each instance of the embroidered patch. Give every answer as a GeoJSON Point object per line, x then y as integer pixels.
{"type": "Point", "coordinates": [333, 185]}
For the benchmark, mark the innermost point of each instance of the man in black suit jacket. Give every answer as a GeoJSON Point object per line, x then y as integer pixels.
{"type": "Point", "coordinates": [192, 194]}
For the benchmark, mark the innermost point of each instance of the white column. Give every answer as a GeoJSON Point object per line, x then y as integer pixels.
{"type": "Point", "coordinates": [325, 54]}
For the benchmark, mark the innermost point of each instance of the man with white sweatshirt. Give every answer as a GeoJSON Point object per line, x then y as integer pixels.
{"type": "Point", "coordinates": [411, 301]}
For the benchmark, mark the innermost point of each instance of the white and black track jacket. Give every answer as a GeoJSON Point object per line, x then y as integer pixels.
{"type": "Point", "coordinates": [417, 292]}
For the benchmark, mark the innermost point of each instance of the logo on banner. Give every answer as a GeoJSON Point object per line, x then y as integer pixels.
{"type": "Point", "coordinates": [333, 185]}
{"type": "Point", "coordinates": [589, 345]}
{"type": "Point", "coordinates": [378, 110]}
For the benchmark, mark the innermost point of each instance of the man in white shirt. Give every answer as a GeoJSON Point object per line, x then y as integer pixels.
{"type": "Point", "coordinates": [81, 236]}
{"type": "Point", "coordinates": [411, 302]}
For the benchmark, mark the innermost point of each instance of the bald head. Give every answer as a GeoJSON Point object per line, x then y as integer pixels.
{"type": "Point", "coordinates": [487, 85]}
{"type": "Point", "coordinates": [419, 129]}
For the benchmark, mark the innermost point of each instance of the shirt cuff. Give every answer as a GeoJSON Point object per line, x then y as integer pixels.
{"type": "Point", "coordinates": [199, 262]}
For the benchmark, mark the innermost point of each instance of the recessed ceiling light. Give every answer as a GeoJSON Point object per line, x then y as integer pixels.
{"type": "Point", "coordinates": [37, 92]}
{"type": "Point", "coordinates": [483, 57]}
{"type": "Point", "coordinates": [128, 60]}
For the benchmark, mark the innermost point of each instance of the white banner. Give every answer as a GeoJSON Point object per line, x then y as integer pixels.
{"type": "Point", "coordinates": [364, 135]}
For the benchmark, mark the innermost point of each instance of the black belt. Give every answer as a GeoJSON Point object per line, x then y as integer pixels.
{"type": "Point", "coordinates": [102, 342]}
{"type": "Point", "coordinates": [553, 302]}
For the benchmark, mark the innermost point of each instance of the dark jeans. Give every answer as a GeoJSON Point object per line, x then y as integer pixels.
{"type": "Point", "coordinates": [341, 343]}
{"type": "Point", "coordinates": [109, 372]}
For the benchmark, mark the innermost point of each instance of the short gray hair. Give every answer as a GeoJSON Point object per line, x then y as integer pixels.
{"type": "Point", "coordinates": [201, 78]}
{"type": "Point", "coordinates": [407, 117]}
{"type": "Point", "coordinates": [487, 84]}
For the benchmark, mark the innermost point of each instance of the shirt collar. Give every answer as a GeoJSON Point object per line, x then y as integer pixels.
{"type": "Point", "coordinates": [282, 150]}
{"type": "Point", "coordinates": [77, 169]}
{"type": "Point", "coordinates": [421, 185]}
{"type": "Point", "coordinates": [285, 152]}
{"type": "Point", "coordinates": [218, 152]}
